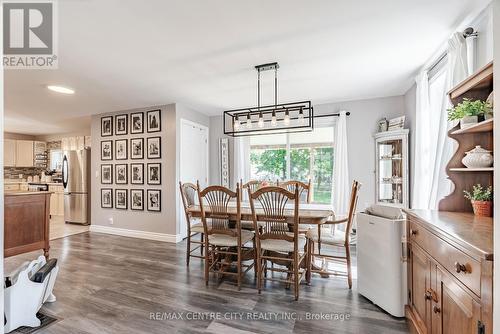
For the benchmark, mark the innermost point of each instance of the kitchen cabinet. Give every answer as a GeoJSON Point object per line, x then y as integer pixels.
{"type": "Point", "coordinates": [75, 143]}
{"type": "Point", "coordinates": [24, 153]}
{"type": "Point", "coordinates": [11, 187]}
{"type": "Point", "coordinates": [56, 200]}
{"type": "Point", "coordinates": [9, 153]}
{"type": "Point", "coordinates": [449, 274]}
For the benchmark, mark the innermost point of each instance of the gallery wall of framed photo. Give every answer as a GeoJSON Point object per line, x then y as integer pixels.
{"type": "Point", "coordinates": [130, 160]}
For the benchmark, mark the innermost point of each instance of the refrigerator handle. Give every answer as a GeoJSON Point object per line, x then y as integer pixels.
{"type": "Point", "coordinates": [65, 171]}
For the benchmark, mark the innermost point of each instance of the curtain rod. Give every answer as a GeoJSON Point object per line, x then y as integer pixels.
{"type": "Point", "coordinates": [332, 115]}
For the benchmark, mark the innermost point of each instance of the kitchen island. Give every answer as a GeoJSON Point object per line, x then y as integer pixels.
{"type": "Point", "coordinates": [26, 222]}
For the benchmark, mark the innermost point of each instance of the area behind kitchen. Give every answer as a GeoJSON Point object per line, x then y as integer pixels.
{"type": "Point", "coordinates": [34, 163]}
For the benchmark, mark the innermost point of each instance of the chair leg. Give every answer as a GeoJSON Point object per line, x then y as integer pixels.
{"type": "Point", "coordinates": [239, 267]}
{"type": "Point", "coordinates": [254, 259]}
{"type": "Point", "coordinates": [308, 262]}
{"type": "Point", "coordinates": [201, 246]}
{"type": "Point", "coordinates": [259, 271]}
{"type": "Point", "coordinates": [349, 269]}
{"type": "Point", "coordinates": [188, 246]}
{"type": "Point", "coordinates": [207, 260]}
{"type": "Point", "coordinates": [296, 275]}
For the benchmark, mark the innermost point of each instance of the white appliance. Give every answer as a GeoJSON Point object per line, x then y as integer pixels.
{"type": "Point", "coordinates": [382, 259]}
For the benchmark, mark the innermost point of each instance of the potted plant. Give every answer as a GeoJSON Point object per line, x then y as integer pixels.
{"type": "Point", "coordinates": [469, 112]}
{"type": "Point", "coordinates": [481, 200]}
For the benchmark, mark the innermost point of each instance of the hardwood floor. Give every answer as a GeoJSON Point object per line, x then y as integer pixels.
{"type": "Point", "coordinates": [59, 229]}
{"type": "Point", "coordinates": [112, 284]}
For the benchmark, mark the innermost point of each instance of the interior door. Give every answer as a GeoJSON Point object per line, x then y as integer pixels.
{"type": "Point", "coordinates": [194, 161]}
{"type": "Point", "coordinates": [421, 268]}
{"type": "Point", "coordinates": [455, 311]}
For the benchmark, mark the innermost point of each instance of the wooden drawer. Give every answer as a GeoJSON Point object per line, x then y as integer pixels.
{"type": "Point", "coordinates": [448, 256]}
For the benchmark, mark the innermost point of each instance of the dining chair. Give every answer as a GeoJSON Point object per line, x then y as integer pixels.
{"type": "Point", "coordinates": [279, 240]}
{"type": "Point", "coordinates": [251, 186]}
{"type": "Point", "coordinates": [303, 188]}
{"type": "Point", "coordinates": [188, 195]}
{"type": "Point", "coordinates": [326, 234]}
{"type": "Point", "coordinates": [224, 238]}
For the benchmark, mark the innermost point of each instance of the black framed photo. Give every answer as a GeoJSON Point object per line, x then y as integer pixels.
{"type": "Point", "coordinates": [137, 173]}
{"type": "Point", "coordinates": [121, 176]}
{"type": "Point", "coordinates": [121, 149]}
{"type": "Point", "coordinates": [137, 122]}
{"type": "Point", "coordinates": [107, 198]}
{"type": "Point", "coordinates": [107, 174]}
{"type": "Point", "coordinates": [121, 124]}
{"type": "Point", "coordinates": [154, 147]}
{"type": "Point", "coordinates": [137, 199]}
{"type": "Point", "coordinates": [154, 121]}
{"type": "Point", "coordinates": [107, 150]}
{"type": "Point", "coordinates": [121, 199]}
{"type": "Point", "coordinates": [106, 126]}
{"type": "Point", "coordinates": [154, 173]}
{"type": "Point", "coordinates": [137, 148]}
{"type": "Point", "coordinates": [154, 200]}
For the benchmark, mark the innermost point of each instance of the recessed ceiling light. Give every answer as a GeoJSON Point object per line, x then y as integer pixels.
{"type": "Point", "coordinates": [61, 89]}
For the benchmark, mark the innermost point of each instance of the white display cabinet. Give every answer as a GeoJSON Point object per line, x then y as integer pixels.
{"type": "Point", "coordinates": [391, 171]}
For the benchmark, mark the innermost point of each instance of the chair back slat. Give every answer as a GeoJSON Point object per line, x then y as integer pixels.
{"type": "Point", "coordinates": [303, 188]}
{"type": "Point", "coordinates": [352, 205]}
{"type": "Point", "coordinates": [217, 219]}
{"type": "Point", "coordinates": [188, 195]}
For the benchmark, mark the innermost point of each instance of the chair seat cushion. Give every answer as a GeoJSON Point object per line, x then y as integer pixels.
{"type": "Point", "coordinates": [327, 237]}
{"type": "Point", "coordinates": [282, 245]}
{"type": "Point", "coordinates": [225, 240]}
{"type": "Point", "coordinates": [197, 228]}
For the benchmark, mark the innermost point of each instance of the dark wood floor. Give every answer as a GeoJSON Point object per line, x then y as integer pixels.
{"type": "Point", "coordinates": [111, 284]}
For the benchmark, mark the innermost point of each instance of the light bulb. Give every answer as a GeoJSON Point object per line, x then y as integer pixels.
{"type": "Point", "coordinates": [249, 122]}
{"type": "Point", "coordinates": [287, 118]}
{"type": "Point", "coordinates": [273, 119]}
{"type": "Point", "coordinates": [261, 121]}
{"type": "Point", "coordinates": [236, 124]}
{"type": "Point", "coordinates": [301, 117]}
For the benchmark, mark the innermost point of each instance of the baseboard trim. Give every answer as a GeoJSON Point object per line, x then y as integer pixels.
{"type": "Point", "coordinates": [136, 234]}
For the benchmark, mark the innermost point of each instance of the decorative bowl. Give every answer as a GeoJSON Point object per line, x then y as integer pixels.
{"type": "Point", "coordinates": [478, 157]}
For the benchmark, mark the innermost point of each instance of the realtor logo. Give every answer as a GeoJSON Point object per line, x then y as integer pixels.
{"type": "Point", "coordinates": [29, 35]}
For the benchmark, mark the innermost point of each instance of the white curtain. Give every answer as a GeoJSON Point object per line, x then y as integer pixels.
{"type": "Point", "coordinates": [241, 160]}
{"type": "Point", "coordinates": [433, 148]}
{"type": "Point", "coordinates": [340, 184]}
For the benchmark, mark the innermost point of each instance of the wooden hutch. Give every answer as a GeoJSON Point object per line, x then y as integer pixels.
{"type": "Point", "coordinates": [450, 271]}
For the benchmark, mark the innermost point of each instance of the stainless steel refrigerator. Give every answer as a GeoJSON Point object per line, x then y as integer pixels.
{"type": "Point", "coordinates": [76, 182]}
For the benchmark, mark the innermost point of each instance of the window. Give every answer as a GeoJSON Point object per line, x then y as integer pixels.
{"type": "Point", "coordinates": [296, 156]}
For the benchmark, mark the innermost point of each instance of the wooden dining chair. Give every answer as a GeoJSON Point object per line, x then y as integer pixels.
{"type": "Point", "coordinates": [325, 234]}
{"type": "Point", "coordinates": [303, 188]}
{"type": "Point", "coordinates": [251, 186]}
{"type": "Point", "coordinates": [188, 195]}
{"type": "Point", "coordinates": [279, 240]}
{"type": "Point", "coordinates": [224, 238]}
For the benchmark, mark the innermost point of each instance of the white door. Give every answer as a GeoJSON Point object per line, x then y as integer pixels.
{"type": "Point", "coordinates": [194, 161]}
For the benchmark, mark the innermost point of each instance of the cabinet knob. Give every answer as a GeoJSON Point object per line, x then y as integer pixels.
{"type": "Point", "coordinates": [460, 268]}
{"type": "Point", "coordinates": [428, 295]}
{"type": "Point", "coordinates": [413, 232]}
{"type": "Point", "coordinates": [436, 309]}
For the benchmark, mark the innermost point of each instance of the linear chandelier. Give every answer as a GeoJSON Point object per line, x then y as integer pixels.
{"type": "Point", "coordinates": [269, 119]}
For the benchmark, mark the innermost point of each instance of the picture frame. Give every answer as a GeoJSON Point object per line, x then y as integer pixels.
{"type": "Point", "coordinates": [137, 173]}
{"type": "Point", "coordinates": [106, 198]}
{"type": "Point", "coordinates": [106, 126]}
{"type": "Point", "coordinates": [121, 124]}
{"type": "Point", "coordinates": [153, 147]}
{"type": "Point", "coordinates": [121, 174]}
{"type": "Point", "coordinates": [137, 122]}
{"type": "Point", "coordinates": [137, 148]}
{"type": "Point", "coordinates": [137, 199]}
{"type": "Point", "coordinates": [153, 118]}
{"type": "Point", "coordinates": [121, 152]}
{"type": "Point", "coordinates": [121, 202]}
{"type": "Point", "coordinates": [106, 150]}
{"type": "Point", "coordinates": [154, 200]}
{"type": "Point", "coordinates": [154, 173]}
{"type": "Point", "coordinates": [106, 174]}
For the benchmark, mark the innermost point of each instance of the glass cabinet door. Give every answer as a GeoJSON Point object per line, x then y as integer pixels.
{"type": "Point", "coordinates": [390, 171]}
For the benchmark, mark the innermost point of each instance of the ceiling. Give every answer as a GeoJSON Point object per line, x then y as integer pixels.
{"type": "Point", "coordinates": [121, 54]}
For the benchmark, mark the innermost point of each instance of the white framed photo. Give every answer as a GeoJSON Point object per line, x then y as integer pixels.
{"type": "Point", "coordinates": [137, 122]}
{"type": "Point", "coordinates": [121, 199]}
{"type": "Point", "coordinates": [137, 199]}
{"type": "Point", "coordinates": [154, 147]}
{"type": "Point", "coordinates": [137, 148]}
{"type": "Point", "coordinates": [106, 126]}
{"type": "Point", "coordinates": [121, 149]}
{"type": "Point", "coordinates": [121, 126]}
{"type": "Point", "coordinates": [137, 173]}
{"type": "Point", "coordinates": [154, 173]}
{"type": "Point", "coordinates": [107, 198]}
{"type": "Point", "coordinates": [107, 150]}
{"type": "Point", "coordinates": [107, 174]}
{"type": "Point", "coordinates": [121, 174]}
{"type": "Point", "coordinates": [154, 200]}
{"type": "Point", "coordinates": [154, 121]}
